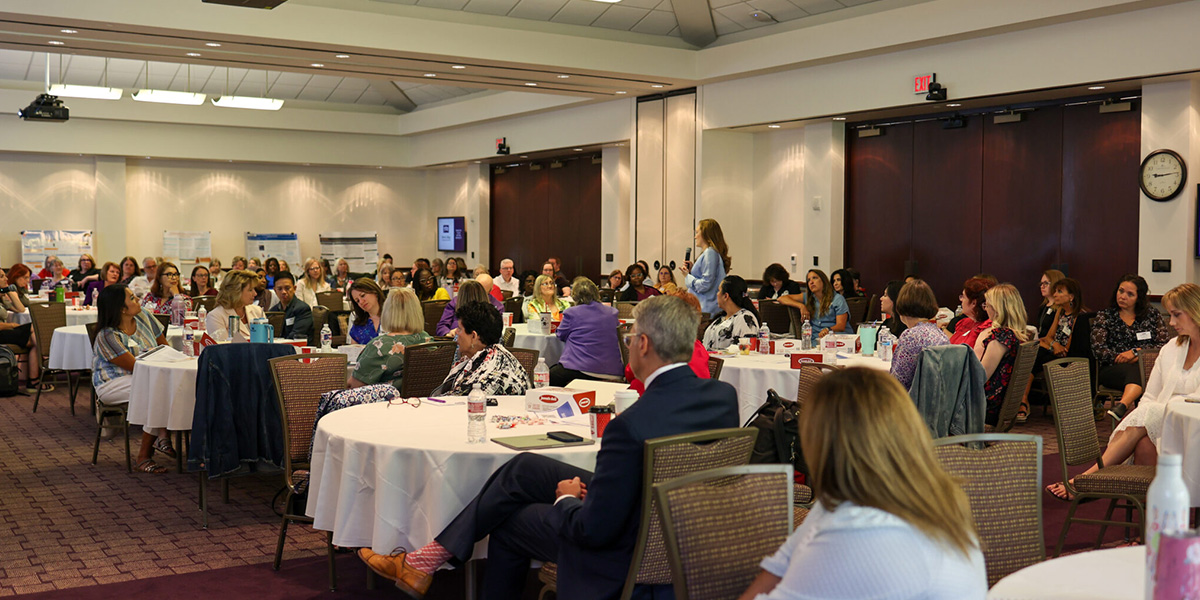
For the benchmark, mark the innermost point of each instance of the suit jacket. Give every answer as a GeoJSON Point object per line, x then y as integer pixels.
{"type": "Point", "coordinates": [598, 534]}
{"type": "Point", "coordinates": [297, 319]}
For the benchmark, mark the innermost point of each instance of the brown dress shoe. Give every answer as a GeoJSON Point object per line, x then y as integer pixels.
{"type": "Point", "coordinates": [393, 566]}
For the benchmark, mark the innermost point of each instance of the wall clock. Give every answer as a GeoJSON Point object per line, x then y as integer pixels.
{"type": "Point", "coordinates": [1162, 175]}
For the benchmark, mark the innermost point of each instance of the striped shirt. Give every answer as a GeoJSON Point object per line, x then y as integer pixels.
{"type": "Point", "coordinates": [112, 343]}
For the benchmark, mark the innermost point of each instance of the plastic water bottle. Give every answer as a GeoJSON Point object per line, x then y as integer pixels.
{"type": "Point", "coordinates": [806, 341]}
{"type": "Point", "coordinates": [1167, 503]}
{"type": "Point", "coordinates": [476, 416]}
{"type": "Point", "coordinates": [178, 310]}
{"type": "Point", "coordinates": [541, 374]}
{"type": "Point", "coordinates": [326, 338]}
{"type": "Point", "coordinates": [189, 341]}
{"type": "Point", "coordinates": [764, 339]}
{"type": "Point", "coordinates": [887, 345]}
{"type": "Point", "coordinates": [201, 317]}
{"type": "Point", "coordinates": [92, 297]}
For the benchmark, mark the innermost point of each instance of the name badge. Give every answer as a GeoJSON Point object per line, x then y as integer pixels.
{"type": "Point", "coordinates": [290, 321]}
{"type": "Point", "coordinates": [1143, 335]}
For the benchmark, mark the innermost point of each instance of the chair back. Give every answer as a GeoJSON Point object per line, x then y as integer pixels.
{"type": "Point", "coordinates": [1070, 383]}
{"type": "Point", "coordinates": [1146, 360]}
{"type": "Point", "coordinates": [775, 315]}
{"type": "Point", "coordinates": [208, 302]}
{"type": "Point", "coordinates": [331, 300]}
{"type": "Point", "coordinates": [873, 312]}
{"type": "Point", "coordinates": [300, 380]}
{"type": "Point", "coordinates": [948, 390]}
{"type": "Point", "coordinates": [797, 319]}
{"type": "Point", "coordinates": [46, 318]}
{"type": "Point", "coordinates": [163, 319]}
{"type": "Point", "coordinates": [1010, 405]}
{"type": "Point", "coordinates": [810, 374]}
{"type": "Point", "coordinates": [705, 322]}
{"type": "Point", "coordinates": [528, 359]}
{"type": "Point", "coordinates": [320, 317]}
{"type": "Point", "coordinates": [624, 309]}
{"type": "Point", "coordinates": [276, 319]}
{"type": "Point", "coordinates": [426, 367]}
{"type": "Point", "coordinates": [509, 337]}
{"type": "Point", "coordinates": [719, 523]}
{"type": "Point", "coordinates": [1001, 474]}
{"type": "Point", "coordinates": [714, 367]}
{"type": "Point", "coordinates": [668, 458]}
{"type": "Point", "coordinates": [513, 305]}
{"type": "Point", "coordinates": [607, 295]}
{"type": "Point", "coordinates": [93, 330]}
{"type": "Point", "coordinates": [858, 306]}
{"type": "Point", "coordinates": [433, 313]}
{"type": "Point", "coordinates": [622, 330]}
{"type": "Point", "coordinates": [505, 295]}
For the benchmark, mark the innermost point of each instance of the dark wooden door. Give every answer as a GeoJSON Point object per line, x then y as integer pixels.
{"type": "Point", "coordinates": [879, 196]}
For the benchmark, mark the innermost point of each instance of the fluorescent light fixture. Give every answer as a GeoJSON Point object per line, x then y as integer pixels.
{"type": "Point", "coordinates": [341, 56]}
{"type": "Point", "coordinates": [657, 85]}
{"type": "Point", "coordinates": [839, 118]}
{"type": "Point", "coordinates": [193, 54]}
{"type": "Point", "coordinates": [169, 97]}
{"type": "Point", "coordinates": [531, 84]}
{"type": "Point", "coordinates": [1096, 87]}
{"type": "Point", "coordinates": [564, 76]}
{"type": "Point", "coordinates": [318, 65]}
{"type": "Point", "coordinates": [621, 92]}
{"type": "Point", "coordinates": [212, 45]}
{"type": "Point", "coordinates": [55, 43]}
{"type": "Point", "coordinates": [458, 67]}
{"type": "Point", "coordinates": [954, 105]}
{"type": "Point", "coordinates": [773, 126]}
{"type": "Point", "coordinates": [68, 31]}
{"type": "Point", "coordinates": [431, 74]}
{"type": "Point", "coordinates": [608, 1]}
{"type": "Point", "coordinates": [248, 102]}
{"type": "Point", "coordinates": [86, 91]}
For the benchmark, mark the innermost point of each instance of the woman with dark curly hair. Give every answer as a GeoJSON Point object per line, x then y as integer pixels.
{"type": "Point", "coordinates": [777, 282]}
{"type": "Point", "coordinates": [482, 359]}
{"type": "Point", "coordinates": [1128, 326]}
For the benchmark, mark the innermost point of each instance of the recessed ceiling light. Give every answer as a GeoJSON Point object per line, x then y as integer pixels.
{"type": "Point", "coordinates": [458, 67]}
{"type": "Point", "coordinates": [773, 126]}
{"type": "Point", "coordinates": [657, 85]}
{"type": "Point", "coordinates": [839, 118]}
{"type": "Point", "coordinates": [531, 84]}
{"type": "Point", "coordinates": [524, 156]}
{"type": "Point", "coordinates": [431, 74]}
{"type": "Point", "coordinates": [68, 31]}
{"type": "Point", "coordinates": [1096, 87]}
{"type": "Point", "coordinates": [564, 76]}
{"type": "Point", "coordinates": [579, 149]}
{"type": "Point", "coordinates": [378, 167]}
{"type": "Point", "coordinates": [621, 92]}
{"type": "Point", "coordinates": [146, 157]}
{"type": "Point", "coordinates": [341, 56]}
{"type": "Point", "coordinates": [212, 45]}
{"type": "Point", "coordinates": [953, 104]}
{"type": "Point", "coordinates": [318, 65]}
{"type": "Point", "coordinates": [193, 54]}
{"type": "Point", "coordinates": [55, 43]}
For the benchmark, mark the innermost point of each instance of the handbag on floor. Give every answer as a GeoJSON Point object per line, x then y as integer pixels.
{"type": "Point", "coordinates": [10, 373]}
{"type": "Point", "coordinates": [778, 442]}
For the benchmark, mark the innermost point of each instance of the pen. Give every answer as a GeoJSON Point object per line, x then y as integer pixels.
{"type": "Point", "coordinates": [435, 400]}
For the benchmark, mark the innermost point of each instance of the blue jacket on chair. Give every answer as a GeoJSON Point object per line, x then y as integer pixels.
{"type": "Point", "coordinates": [948, 390]}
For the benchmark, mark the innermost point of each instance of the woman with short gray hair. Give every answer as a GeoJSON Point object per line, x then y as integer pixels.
{"type": "Point", "coordinates": [589, 336]}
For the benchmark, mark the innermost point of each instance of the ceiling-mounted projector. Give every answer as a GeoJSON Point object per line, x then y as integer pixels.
{"type": "Point", "coordinates": [45, 108]}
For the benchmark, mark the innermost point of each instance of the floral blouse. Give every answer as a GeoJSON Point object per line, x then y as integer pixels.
{"type": "Point", "coordinates": [382, 361]}
{"type": "Point", "coordinates": [997, 384]}
{"type": "Point", "coordinates": [536, 306]}
{"type": "Point", "coordinates": [726, 331]}
{"type": "Point", "coordinates": [1111, 336]}
{"type": "Point", "coordinates": [162, 306]}
{"type": "Point", "coordinates": [908, 348]}
{"type": "Point", "coordinates": [494, 368]}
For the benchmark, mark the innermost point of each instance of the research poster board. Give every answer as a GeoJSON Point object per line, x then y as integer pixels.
{"type": "Point", "coordinates": [66, 244]}
{"type": "Point", "coordinates": [284, 246]}
{"type": "Point", "coordinates": [360, 249]}
{"type": "Point", "coordinates": [187, 247]}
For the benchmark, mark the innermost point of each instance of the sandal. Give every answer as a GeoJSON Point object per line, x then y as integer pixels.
{"type": "Point", "coordinates": [1059, 490]}
{"type": "Point", "coordinates": [1023, 413]}
{"type": "Point", "coordinates": [164, 445]}
{"type": "Point", "coordinates": [149, 466]}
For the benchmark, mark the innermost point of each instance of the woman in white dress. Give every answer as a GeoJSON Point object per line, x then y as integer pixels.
{"type": "Point", "coordinates": [1175, 377]}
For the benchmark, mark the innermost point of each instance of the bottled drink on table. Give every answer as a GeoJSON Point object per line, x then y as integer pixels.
{"type": "Point", "coordinates": [476, 416]}
{"type": "Point", "coordinates": [764, 339]}
{"type": "Point", "coordinates": [201, 317]}
{"type": "Point", "coordinates": [541, 374]}
{"type": "Point", "coordinates": [189, 340]}
{"type": "Point", "coordinates": [1167, 504]}
{"type": "Point", "coordinates": [887, 344]}
{"type": "Point", "coordinates": [326, 338]}
{"type": "Point", "coordinates": [806, 341]}
{"type": "Point", "coordinates": [178, 310]}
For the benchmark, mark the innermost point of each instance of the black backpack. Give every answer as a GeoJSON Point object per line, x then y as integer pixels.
{"type": "Point", "coordinates": [10, 373]}
{"type": "Point", "coordinates": [778, 424]}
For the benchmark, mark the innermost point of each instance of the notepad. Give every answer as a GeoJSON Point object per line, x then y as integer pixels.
{"type": "Point", "coordinates": [537, 442]}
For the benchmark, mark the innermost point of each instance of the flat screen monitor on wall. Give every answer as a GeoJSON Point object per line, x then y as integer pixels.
{"type": "Point", "coordinates": [452, 234]}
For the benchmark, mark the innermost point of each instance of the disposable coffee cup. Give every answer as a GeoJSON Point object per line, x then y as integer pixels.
{"type": "Point", "coordinates": [623, 399]}
{"type": "Point", "coordinates": [508, 319]}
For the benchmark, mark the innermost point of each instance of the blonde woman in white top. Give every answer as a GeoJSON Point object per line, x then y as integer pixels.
{"type": "Point", "coordinates": [238, 292]}
{"type": "Point", "coordinates": [311, 282]}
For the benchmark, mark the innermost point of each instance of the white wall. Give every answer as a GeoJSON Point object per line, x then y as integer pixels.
{"type": "Point", "coordinates": [44, 192]}
{"type": "Point", "coordinates": [1168, 229]}
{"type": "Point", "coordinates": [779, 214]}
{"type": "Point", "coordinates": [727, 195]}
{"type": "Point", "coordinates": [616, 224]}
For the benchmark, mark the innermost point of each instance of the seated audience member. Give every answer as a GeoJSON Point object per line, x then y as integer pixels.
{"type": "Point", "coordinates": [858, 282]}
{"type": "Point", "coordinates": [482, 359]}
{"type": "Point", "coordinates": [166, 287]}
{"type": "Point", "coordinates": [916, 307]}
{"type": "Point", "coordinates": [528, 279]}
{"type": "Point", "coordinates": [239, 263]}
{"type": "Point", "coordinates": [214, 271]}
{"type": "Point", "coordinates": [665, 276]}
{"type": "Point", "coordinates": [439, 269]}
{"type": "Point", "coordinates": [538, 508]}
{"type": "Point", "coordinates": [201, 282]}
{"type": "Point", "coordinates": [699, 361]}
{"type": "Point", "coordinates": [615, 281]}
{"type": "Point", "coordinates": [284, 266]}
{"type": "Point", "coordinates": [489, 285]}
{"type": "Point", "coordinates": [420, 263]}
{"type": "Point", "coordinates": [52, 266]}
{"type": "Point", "coordinates": [470, 291]}
{"type": "Point", "coordinates": [271, 266]}
{"type": "Point", "coordinates": [478, 270]}
{"type": "Point", "coordinates": [367, 300]}
{"type": "Point", "coordinates": [254, 264]}
{"type": "Point", "coordinates": [638, 290]}
{"type": "Point", "coordinates": [777, 282]}
{"type": "Point", "coordinates": [703, 279]}
{"type": "Point", "coordinates": [1173, 379]}
{"type": "Point", "coordinates": [508, 280]}
{"type": "Point", "coordinates": [974, 314]}
{"type": "Point", "coordinates": [312, 282]}
{"type": "Point", "coordinates": [546, 300]}
{"type": "Point", "coordinates": [454, 276]}
{"type": "Point", "coordinates": [888, 521]}
{"type": "Point", "coordinates": [887, 308]}
{"type": "Point", "coordinates": [297, 314]}
{"type": "Point", "coordinates": [737, 317]}
{"type": "Point", "coordinates": [425, 284]}
{"type": "Point", "coordinates": [550, 270]}
{"type": "Point", "coordinates": [141, 284]}
{"type": "Point", "coordinates": [388, 259]}
{"type": "Point", "coordinates": [126, 330]}
{"type": "Point", "coordinates": [236, 298]}
{"type": "Point", "coordinates": [1044, 315]}
{"type": "Point", "coordinates": [1066, 300]}
{"type": "Point", "coordinates": [560, 280]}
{"type": "Point", "coordinates": [341, 276]}
{"type": "Point", "coordinates": [56, 275]}
{"type": "Point", "coordinates": [265, 298]}
{"type": "Point", "coordinates": [844, 283]}
{"type": "Point", "coordinates": [403, 325]}
{"type": "Point", "coordinates": [589, 336]}
{"type": "Point", "coordinates": [111, 274]}
{"type": "Point", "coordinates": [398, 279]}
{"type": "Point", "coordinates": [997, 346]}
{"type": "Point", "coordinates": [1119, 332]}
{"type": "Point", "coordinates": [85, 273]}
{"type": "Point", "coordinates": [18, 279]}
{"type": "Point", "coordinates": [383, 274]}
{"type": "Point", "coordinates": [13, 334]}
{"type": "Point", "coordinates": [825, 308]}
{"type": "Point", "coordinates": [129, 270]}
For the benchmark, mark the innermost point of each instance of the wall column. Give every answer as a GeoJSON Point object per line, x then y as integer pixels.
{"type": "Point", "coordinates": [824, 198]}
{"type": "Point", "coordinates": [1167, 230]}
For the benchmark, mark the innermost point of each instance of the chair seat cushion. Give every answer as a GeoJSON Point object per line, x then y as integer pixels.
{"type": "Point", "coordinates": [799, 513]}
{"type": "Point", "coordinates": [802, 494]}
{"type": "Point", "coordinates": [1131, 480]}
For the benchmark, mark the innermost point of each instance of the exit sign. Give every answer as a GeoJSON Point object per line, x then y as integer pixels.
{"type": "Point", "coordinates": [921, 83]}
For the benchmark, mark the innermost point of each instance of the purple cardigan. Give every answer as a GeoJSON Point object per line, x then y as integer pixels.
{"type": "Point", "coordinates": [448, 322]}
{"type": "Point", "coordinates": [589, 336]}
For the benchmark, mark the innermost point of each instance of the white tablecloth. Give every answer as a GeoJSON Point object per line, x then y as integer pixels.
{"type": "Point", "coordinates": [388, 476]}
{"type": "Point", "coordinates": [1112, 574]}
{"type": "Point", "coordinates": [548, 345]}
{"type": "Point", "coordinates": [74, 317]}
{"type": "Point", "coordinates": [70, 348]}
{"type": "Point", "coordinates": [163, 394]}
{"type": "Point", "coordinates": [1181, 435]}
{"type": "Point", "coordinates": [754, 374]}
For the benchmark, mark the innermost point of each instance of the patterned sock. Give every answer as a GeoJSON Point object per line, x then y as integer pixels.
{"type": "Point", "coordinates": [429, 558]}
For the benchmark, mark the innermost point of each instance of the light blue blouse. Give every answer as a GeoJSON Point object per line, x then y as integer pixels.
{"type": "Point", "coordinates": [829, 318]}
{"type": "Point", "coordinates": [705, 280]}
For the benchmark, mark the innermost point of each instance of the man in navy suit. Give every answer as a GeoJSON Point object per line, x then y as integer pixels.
{"type": "Point", "coordinates": [538, 508]}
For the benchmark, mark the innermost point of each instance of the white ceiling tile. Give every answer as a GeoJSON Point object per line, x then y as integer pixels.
{"type": "Point", "coordinates": [11, 71]}
{"type": "Point", "coordinates": [782, 10]}
{"type": "Point", "coordinates": [580, 12]}
{"type": "Point", "coordinates": [724, 25]}
{"type": "Point", "coordinates": [490, 7]}
{"type": "Point", "coordinates": [294, 78]}
{"type": "Point", "coordinates": [372, 97]}
{"type": "Point", "coordinates": [324, 81]}
{"type": "Point", "coordinates": [446, 4]}
{"type": "Point", "coordinates": [658, 22]}
{"type": "Point", "coordinates": [539, 10]}
{"type": "Point", "coordinates": [354, 85]}
{"type": "Point", "coordinates": [314, 94]}
{"type": "Point", "coordinates": [814, 7]}
{"type": "Point", "coordinates": [740, 13]}
{"type": "Point", "coordinates": [722, 3]}
{"type": "Point", "coordinates": [646, 4]}
{"type": "Point", "coordinates": [856, 2]}
{"type": "Point", "coordinates": [620, 17]}
{"type": "Point", "coordinates": [286, 92]}
{"type": "Point", "coordinates": [344, 96]}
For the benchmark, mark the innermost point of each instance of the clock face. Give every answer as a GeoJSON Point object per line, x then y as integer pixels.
{"type": "Point", "coordinates": [1163, 174]}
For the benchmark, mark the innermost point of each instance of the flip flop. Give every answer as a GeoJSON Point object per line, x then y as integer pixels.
{"type": "Point", "coordinates": [149, 466]}
{"type": "Point", "coordinates": [163, 445]}
{"type": "Point", "coordinates": [1060, 491]}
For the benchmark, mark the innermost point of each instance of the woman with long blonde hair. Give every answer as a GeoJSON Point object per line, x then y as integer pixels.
{"type": "Point", "coordinates": [888, 521]}
{"type": "Point", "coordinates": [997, 345]}
{"type": "Point", "coordinates": [311, 282]}
{"type": "Point", "coordinates": [704, 278]}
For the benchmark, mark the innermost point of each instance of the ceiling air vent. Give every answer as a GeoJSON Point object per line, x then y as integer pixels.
{"type": "Point", "coordinates": [267, 4]}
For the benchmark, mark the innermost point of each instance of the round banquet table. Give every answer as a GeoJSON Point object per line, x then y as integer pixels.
{"type": "Point", "coordinates": [1181, 435]}
{"type": "Point", "coordinates": [548, 345]}
{"type": "Point", "coordinates": [70, 348]}
{"type": "Point", "coordinates": [82, 316]}
{"type": "Point", "coordinates": [1111, 574]}
{"type": "Point", "coordinates": [387, 476]}
{"type": "Point", "coordinates": [754, 374]}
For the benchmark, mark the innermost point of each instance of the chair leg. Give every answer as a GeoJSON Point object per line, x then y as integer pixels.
{"type": "Point", "coordinates": [203, 475]}
{"type": "Point", "coordinates": [73, 387]}
{"type": "Point", "coordinates": [96, 446]}
{"type": "Point", "coordinates": [225, 490]}
{"type": "Point", "coordinates": [1112, 504]}
{"type": "Point", "coordinates": [282, 532]}
{"type": "Point", "coordinates": [38, 397]}
{"type": "Point", "coordinates": [1062, 537]}
{"type": "Point", "coordinates": [332, 563]}
{"type": "Point", "coordinates": [128, 455]}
